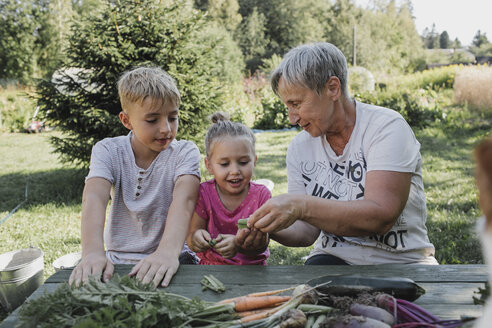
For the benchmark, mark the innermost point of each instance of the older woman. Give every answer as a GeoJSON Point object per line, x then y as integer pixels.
{"type": "Point", "coordinates": [354, 172]}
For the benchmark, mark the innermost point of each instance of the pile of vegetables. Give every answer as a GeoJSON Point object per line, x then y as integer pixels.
{"type": "Point", "coordinates": [126, 302]}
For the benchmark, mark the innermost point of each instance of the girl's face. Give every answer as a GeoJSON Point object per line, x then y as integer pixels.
{"type": "Point", "coordinates": [154, 125]}
{"type": "Point", "coordinates": [231, 162]}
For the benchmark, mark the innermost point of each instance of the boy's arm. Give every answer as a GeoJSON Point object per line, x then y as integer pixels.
{"type": "Point", "coordinates": [163, 263]}
{"type": "Point", "coordinates": [95, 199]}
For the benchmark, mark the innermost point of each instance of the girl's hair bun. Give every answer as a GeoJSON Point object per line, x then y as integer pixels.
{"type": "Point", "coordinates": [219, 117]}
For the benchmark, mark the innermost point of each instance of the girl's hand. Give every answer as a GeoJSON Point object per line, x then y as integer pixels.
{"type": "Point", "coordinates": [200, 240]}
{"type": "Point", "coordinates": [226, 246]}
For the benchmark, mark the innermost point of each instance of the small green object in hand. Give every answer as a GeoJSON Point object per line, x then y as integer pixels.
{"type": "Point", "coordinates": [212, 283]}
{"type": "Point", "coordinates": [242, 223]}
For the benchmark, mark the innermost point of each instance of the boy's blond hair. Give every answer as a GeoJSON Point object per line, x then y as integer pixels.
{"type": "Point", "coordinates": [136, 85]}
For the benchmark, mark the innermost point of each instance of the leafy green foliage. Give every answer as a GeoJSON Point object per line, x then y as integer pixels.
{"type": "Point", "coordinates": [412, 105]}
{"type": "Point", "coordinates": [360, 79]}
{"type": "Point", "coordinates": [120, 302]}
{"type": "Point", "coordinates": [16, 110]}
{"type": "Point", "coordinates": [84, 102]}
{"type": "Point", "coordinates": [272, 114]}
{"type": "Point", "coordinates": [32, 37]}
{"type": "Point", "coordinates": [17, 39]}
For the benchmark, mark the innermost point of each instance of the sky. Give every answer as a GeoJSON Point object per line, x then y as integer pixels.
{"type": "Point", "coordinates": [460, 18]}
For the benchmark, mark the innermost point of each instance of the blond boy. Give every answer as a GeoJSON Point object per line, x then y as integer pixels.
{"type": "Point", "coordinates": [153, 183]}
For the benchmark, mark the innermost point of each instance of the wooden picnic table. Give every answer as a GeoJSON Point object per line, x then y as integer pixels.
{"type": "Point", "coordinates": [449, 288]}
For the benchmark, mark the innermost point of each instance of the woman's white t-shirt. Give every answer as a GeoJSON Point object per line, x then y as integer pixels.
{"type": "Point", "coordinates": [381, 140]}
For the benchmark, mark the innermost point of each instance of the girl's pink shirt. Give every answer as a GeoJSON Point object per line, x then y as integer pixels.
{"type": "Point", "coordinates": [222, 221]}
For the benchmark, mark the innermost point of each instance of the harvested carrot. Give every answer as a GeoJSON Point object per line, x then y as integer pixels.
{"type": "Point", "coordinates": [261, 315]}
{"type": "Point", "coordinates": [247, 303]}
{"type": "Point", "coordinates": [251, 312]}
{"type": "Point", "coordinates": [266, 293]}
{"type": "Point", "coordinates": [271, 292]}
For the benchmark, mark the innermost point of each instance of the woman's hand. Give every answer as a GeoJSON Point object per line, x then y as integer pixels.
{"type": "Point", "coordinates": [251, 241]}
{"type": "Point", "coordinates": [226, 246]}
{"type": "Point", "coordinates": [157, 267]}
{"type": "Point", "coordinates": [200, 241]}
{"type": "Point", "coordinates": [277, 213]}
{"type": "Point", "coordinates": [93, 264]}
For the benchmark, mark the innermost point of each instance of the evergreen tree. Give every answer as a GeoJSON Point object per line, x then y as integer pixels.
{"type": "Point", "coordinates": [479, 39]}
{"type": "Point", "coordinates": [444, 42]}
{"type": "Point", "coordinates": [84, 104]}
{"type": "Point", "coordinates": [456, 43]}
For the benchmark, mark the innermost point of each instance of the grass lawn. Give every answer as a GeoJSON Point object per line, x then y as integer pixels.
{"type": "Point", "coordinates": [50, 219]}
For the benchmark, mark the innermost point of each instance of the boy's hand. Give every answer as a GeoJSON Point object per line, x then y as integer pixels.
{"type": "Point", "coordinates": [157, 267]}
{"type": "Point", "coordinates": [93, 264]}
{"type": "Point", "coordinates": [200, 241]}
{"type": "Point", "coordinates": [226, 246]}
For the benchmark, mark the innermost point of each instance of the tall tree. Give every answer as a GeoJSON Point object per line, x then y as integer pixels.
{"type": "Point", "coordinates": [444, 42]}
{"type": "Point", "coordinates": [431, 38]}
{"type": "Point", "coordinates": [288, 23]}
{"type": "Point", "coordinates": [54, 18]}
{"type": "Point", "coordinates": [83, 103]}
{"type": "Point", "coordinates": [17, 40]}
{"type": "Point", "coordinates": [479, 39]}
{"type": "Point", "coordinates": [252, 39]}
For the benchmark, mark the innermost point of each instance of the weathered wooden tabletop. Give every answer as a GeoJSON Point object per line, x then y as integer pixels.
{"type": "Point", "coordinates": [449, 288]}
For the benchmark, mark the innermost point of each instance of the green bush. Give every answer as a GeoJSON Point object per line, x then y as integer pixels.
{"type": "Point", "coordinates": [435, 79]}
{"type": "Point", "coordinates": [122, 35]}
{"type": "Point", "coordinates": [416, 106]}
{"type": "Point", "coordinates": [16, 110]}
{"type": "Point", "coordinates": [272, 112]}
{"type": "Point", "coordinates": [360, 79]}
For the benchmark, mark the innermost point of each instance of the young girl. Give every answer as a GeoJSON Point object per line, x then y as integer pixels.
{"type": "Point", "coordinates": [228, 197]}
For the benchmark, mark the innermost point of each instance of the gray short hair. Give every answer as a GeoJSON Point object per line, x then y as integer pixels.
{"type": "Point", "coordinates": [142, 82]}
{"type": "Point", "coordinates": [311, 66]}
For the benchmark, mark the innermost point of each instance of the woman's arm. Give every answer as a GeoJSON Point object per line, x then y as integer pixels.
{"type": "Point", "coordinates": [163, 263]}
{"type": "Point", "coordinates": [385, 196]}
{"type": "Point", "coordinates": [95, 199]}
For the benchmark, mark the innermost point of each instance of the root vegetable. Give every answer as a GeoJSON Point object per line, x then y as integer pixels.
{"type": "Point", "coordinates": [293, 318]}
{"type": "Point", "coordinates": [247, 303]}
{"type": "Point", "coordinates": [372, 312]}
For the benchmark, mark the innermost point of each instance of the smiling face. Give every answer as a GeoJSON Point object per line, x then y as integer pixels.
{"type": "Point", "coordinates": [154, 124]}
{"type": "Point", "coordinates": [314, 113]}
{"type": "Point", "coordinates": [231, 162]}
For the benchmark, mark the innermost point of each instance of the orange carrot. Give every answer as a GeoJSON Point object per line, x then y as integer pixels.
{"type": "Point", "coordinates": [247, 303]}
{"type": "Point", "coordinates": [271, 292]}
{"type": "Point", "coordinates": [251, 312]}
{"type": "Point", "coordinates": [261, 314]}
{"type": "Point", "coordinates": [266, 293]}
